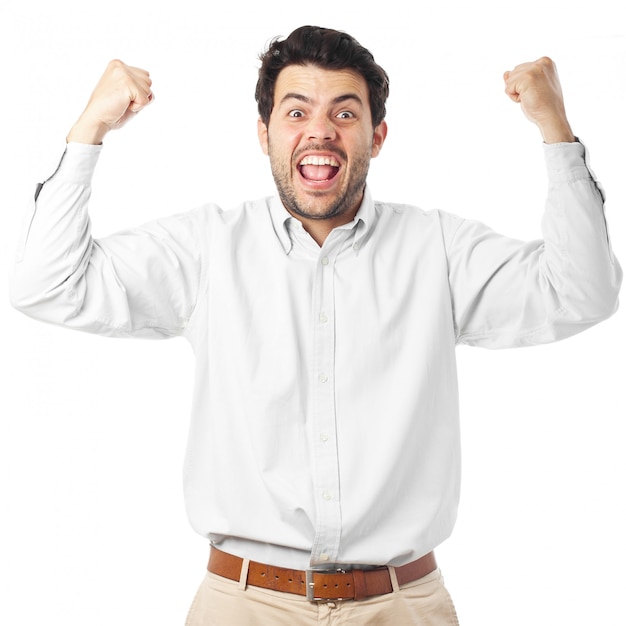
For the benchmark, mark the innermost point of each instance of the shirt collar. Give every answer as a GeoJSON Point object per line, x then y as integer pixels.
{"type": "Point", "coordinates": [364, 222]}
{"type": "Point", "coordinates": [280, 217]}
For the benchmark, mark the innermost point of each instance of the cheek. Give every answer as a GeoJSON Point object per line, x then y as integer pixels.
{"type": "Point", "coordinates": [280, 144]}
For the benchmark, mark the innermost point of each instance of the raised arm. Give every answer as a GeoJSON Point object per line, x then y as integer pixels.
{"type": "Point", "coordinates": [510, 293]}
{"type": "Point", "coordinates": [140, 282]}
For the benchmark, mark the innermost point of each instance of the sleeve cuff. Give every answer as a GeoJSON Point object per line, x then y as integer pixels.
{"type": "Point", "coordinates": [569, 162]}
{"type": "Point", "coordinates": [77, 164]}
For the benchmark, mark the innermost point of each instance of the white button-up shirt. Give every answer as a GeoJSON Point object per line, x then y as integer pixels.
{"type": "Point", "coordinates": [325, 413]}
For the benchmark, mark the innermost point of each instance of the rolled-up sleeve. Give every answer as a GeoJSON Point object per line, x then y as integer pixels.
{"type": "Point", "coordinates": [509, 293]}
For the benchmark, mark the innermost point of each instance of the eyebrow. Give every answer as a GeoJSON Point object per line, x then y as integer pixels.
{"type": "Point", "coordinates": [307, 100]}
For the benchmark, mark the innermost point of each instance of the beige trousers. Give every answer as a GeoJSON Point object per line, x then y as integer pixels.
{"type": "Point", "coordinates": [222, 602]}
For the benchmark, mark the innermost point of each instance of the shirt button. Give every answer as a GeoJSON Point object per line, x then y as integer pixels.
{"type": "Point", "coordinates": [324, 437]}
{"type": "Point", "coordinates": [356, 246]}
{"type": "Point", "coordinates": [323, 378]}
{"type": "Point", "coordinates": [327, 496]}
{"type": "Point", "coordinates": [324, 557]}
{"type": "Point", "coordinates": [324, 260]}
{"type": "Point", "coordinates": [323, 318]}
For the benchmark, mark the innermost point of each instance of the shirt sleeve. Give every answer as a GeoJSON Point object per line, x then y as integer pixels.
{"type": "Point", "coordinates": [509, 293]}
{"type": "Point", "coordinates": [140, 282]}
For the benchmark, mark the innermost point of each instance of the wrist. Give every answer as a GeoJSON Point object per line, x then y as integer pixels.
{"type": "Point", "coordinates": [557, 132]}
{"type": "Point", "coordinates": [87, 132]}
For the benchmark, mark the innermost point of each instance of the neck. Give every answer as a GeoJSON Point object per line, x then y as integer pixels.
{"type": "Point", "coordinates": [320, 226]}
{"type": "Point", "coordinates": [319, 229]}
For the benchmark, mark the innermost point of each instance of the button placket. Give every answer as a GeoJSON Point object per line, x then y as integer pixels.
{"type": "Point", "coordinates": [323, 417]}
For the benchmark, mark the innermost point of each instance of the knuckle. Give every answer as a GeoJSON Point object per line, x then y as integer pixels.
{"type": "Point", "coordinates": [545, 63]}
{"type": "Point", "coordinates": [116, 64]}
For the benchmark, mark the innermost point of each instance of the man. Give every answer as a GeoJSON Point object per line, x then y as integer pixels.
{"type": "Point", "coordinates": [323, 457]}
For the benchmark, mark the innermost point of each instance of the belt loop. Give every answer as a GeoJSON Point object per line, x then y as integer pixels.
{"type": "Point", "coordinates": [243, 577]}
{"type": "Point", "coordinates": [394, 578]}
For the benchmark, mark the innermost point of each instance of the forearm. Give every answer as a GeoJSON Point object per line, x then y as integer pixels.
{"type": "Point", "coordinates": [509, 293]}
{"type": "Point", "coordinates": [55, 245]}
{"type": "Point", "coordinates": [579, 262]}
{"type": "Point", "coordinates": [140, 282]}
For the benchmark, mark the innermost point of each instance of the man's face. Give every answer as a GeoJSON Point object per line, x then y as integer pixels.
{"type": "Point", "coordinates": [320, 140]}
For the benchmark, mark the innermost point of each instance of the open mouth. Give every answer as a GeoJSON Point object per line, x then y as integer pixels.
{"type": "Point", "coordinates": [318, 169]}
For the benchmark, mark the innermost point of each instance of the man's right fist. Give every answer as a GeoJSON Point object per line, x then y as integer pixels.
{"type": "Point", "coordinates": [119, 95]}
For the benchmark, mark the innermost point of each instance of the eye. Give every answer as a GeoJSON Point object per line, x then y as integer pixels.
{"type": "Point", "coordinates": [346, 115]}
{"type": "Point", "coordinates": [296, 113]}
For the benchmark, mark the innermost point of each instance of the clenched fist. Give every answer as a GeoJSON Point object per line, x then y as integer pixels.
{"type": "Point", "coordinates": [536, 87]}
{"type": "Point", "coordinates": [119, 95]}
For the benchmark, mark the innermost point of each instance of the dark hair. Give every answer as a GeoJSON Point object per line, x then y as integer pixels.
{"type": "Point", "coordinates": [325, 48]}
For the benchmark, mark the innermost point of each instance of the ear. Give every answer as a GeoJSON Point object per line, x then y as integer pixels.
{"type": "Point", "coordinates": [380, 134]}
{"type": "Point", "coordinates": [263, 138]}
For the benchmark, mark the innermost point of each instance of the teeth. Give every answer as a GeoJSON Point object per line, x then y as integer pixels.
{"type": "Point", "coordinates": [312, 159]}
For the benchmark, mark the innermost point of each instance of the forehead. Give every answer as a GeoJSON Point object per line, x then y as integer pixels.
{"type": "Point", "coordinates": [319, 84]}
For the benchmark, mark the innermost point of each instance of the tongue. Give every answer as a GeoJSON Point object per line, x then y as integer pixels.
{"type": "Point", "coordinates": [318, 172]}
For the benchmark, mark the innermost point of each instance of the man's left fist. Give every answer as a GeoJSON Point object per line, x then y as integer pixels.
{"type": "Point", "coordinates": [536, 87]}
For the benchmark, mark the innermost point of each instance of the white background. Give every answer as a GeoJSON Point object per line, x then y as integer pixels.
{"type": "Point", "coordinates": [92, 431]}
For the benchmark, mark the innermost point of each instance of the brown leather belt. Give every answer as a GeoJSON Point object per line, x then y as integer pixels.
{"type": "Point", "coordinates": [320, 584]}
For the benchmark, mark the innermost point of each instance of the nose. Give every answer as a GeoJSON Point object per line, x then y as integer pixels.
{"type": "Point", "coordinates": [321, 128]}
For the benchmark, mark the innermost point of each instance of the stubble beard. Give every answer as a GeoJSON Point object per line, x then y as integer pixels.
{"type": "Point", "coordinates": [315, 206]}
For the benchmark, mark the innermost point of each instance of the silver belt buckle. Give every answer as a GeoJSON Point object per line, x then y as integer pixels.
{"type": "Point", "coordinates": [310, 584]}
